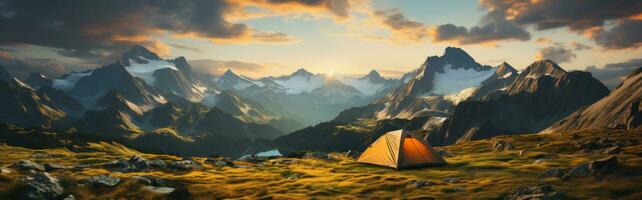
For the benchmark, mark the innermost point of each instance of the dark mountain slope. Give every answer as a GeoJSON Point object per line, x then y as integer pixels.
{"type": "Point", "coordinates": [621, 109]}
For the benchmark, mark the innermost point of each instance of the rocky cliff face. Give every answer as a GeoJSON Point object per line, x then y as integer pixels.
{"type": "Point", "coordinates": [540, 96]}
{"type": "Point", "coordinates": [621, 109]}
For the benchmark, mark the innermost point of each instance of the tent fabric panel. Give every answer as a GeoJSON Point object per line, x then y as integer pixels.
{"type": "Point", "coordinates": [417, 153]}
{"type": "Point", "coordinates": [384, 151]}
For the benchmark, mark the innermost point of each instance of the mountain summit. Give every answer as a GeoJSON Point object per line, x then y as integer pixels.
{"type": "Point", "coordinates": [374, 77]}
{"type": "Point", "coordinates": [138, 54]}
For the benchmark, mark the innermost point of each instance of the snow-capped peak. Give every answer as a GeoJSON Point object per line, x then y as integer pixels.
{"type": "Point", "coordinates": [453, 80]}
{"type": "Point", "coordinates": [146, 69]}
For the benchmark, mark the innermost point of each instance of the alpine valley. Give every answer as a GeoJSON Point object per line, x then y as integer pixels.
{"type": "Point", "coordinates": [142, 100]}
{"type": "Point", "coordinates": [236, 127]}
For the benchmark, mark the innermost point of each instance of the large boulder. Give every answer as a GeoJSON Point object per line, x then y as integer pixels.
{"type": "Point", "coordinates": [184, 165]}
{"type": "Point", "coordinates": [102, 181]}
{"type": "Point", "coordinates": [537, 192]}
{"type": "Point", "coordinates": [27, 165]}
{"type": "Point", "coordinates": [602, 166]}
{"type": "Point", "coordinates": [41, 186]}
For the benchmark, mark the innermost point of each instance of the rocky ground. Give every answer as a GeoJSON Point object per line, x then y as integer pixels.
{"type": "Point", "coordinates": [579, 165]}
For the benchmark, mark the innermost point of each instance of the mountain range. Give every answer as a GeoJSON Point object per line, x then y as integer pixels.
{"type": "Point", "coordinates": [144, 100]}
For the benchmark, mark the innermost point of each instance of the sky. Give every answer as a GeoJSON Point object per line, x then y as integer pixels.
{"type": "Point", "coordinates": [275, 37]}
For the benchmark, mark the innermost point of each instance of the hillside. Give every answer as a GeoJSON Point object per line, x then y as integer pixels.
{"type": "Point", "coordinates": [474, 170]}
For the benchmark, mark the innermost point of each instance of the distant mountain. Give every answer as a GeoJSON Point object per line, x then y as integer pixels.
{"type": "Point", "coordinates": [113, 114]}
{"type": "Point", "coordinates": [250, 111]}
{"type": "Point", "coordinates": [438, 85]}
{"type": "Point", "coordinates": [539, 96]}
{"type": "Point", "coordinates": [621, 109]}
{"type": "Point", "coordinates": [231, 81]}
{"type": "Point", "coordinates": [114, 77]}
{"type": "Point", "coordinates": [167, 76]}
{"type": "Point", "coordinates": [309, 98]}
{"type": "Point", "coordinates": [372, 84]}
{"type": "Point", "coordinates": [21, 105]}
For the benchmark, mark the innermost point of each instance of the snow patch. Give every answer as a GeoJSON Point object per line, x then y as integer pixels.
{"type": "Point", "coordinates": [453, 81]}
{"type": "Point", "coordinates": [507, 75]}
{"type": "Point", "coordinates": [462, 95]}
{"type": "Point", "coordinates": [298, 84]}
{"type": "Point", "coordinates": [146, 71]}
{"type": "Point", "coordinates": [69, 81]}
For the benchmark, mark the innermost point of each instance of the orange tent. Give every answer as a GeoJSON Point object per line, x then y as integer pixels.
{"type": "Point", "coordinates": [401, 149]}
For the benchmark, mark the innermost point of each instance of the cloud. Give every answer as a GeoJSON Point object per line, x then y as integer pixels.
{"type": "Point", "coordinates": [185, 47]}
{"type": "Point", "coordinates": [558, 54]}
{"type": "Point", "coordinates": [626, 34]}
{"type": "Point", "coordinates": [587, 17]}
{"type": "Point", "coordinates": [101, 30]}
{"type": "Point", "coordinates": [613, 74]}
{"type": "Point", "coordinates": [402, 28]}
{"type": "Point", "coordinates": [543, 40]}
{"type": "Point", "coordinates": [494, 27]}
{"type": "Point", "coordinates": [579, 46]}
{"type": "Point", "coordinates": [218, 67]}
{"type": "Point", "coordinates": [273, 37]}
{"type": "Point", "coordinates": [337, 8]}
{"type": "Point", "coordinates": [21, 68]}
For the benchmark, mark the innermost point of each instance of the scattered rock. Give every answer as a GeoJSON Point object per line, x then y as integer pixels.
{"type": "Point", "coordinates": [53, 166]}
{"type": "Point", "coordinates": [612, 150]}
{"type": "Point", "coordinates": [444, 153]}
{"type": "Point", "coordinates": [317, 155]}
{"type": "Point", "coordinates": [103, 180]}
{"type": "Point", "coordinates": [155, 181]}
{"type": "Point", "coordinates": [142, 180]}
{"type": "Point", "coordinates": [183, 165]}
{"type": "Point", "coordinates": [501, 145]}
{"type": "Point", "coordinates": [604, 165]}
{"type": "Point", "coordinates": [552, 173]}
{"type": "Point", "coordinates": [419, 183]}
{"type": "Point", "coordinates": [222, 162]}
{"type": "Point", "coordinates": [27, 165]}
{"type": "Point", "coordinates": [451, 180]}
{"type": "Point", "coordinates": [139, 162]}
{"type": "Point", "coordinates": [41, 186]}
{"type": "Point", "coordinates": [522, 153]}
{"type": "Point", "coordinates": [158, 190]}
{"type": "Point", "coordinates": [70, 197]}
{"type": "Point", "coordinates": [4, 170]}
{"type": "Point", "coordinates": [158, 164]}
{"type": "Point", "coordinates": [542, 191]}
{"type": "Point", "coordinates": [580, 170]}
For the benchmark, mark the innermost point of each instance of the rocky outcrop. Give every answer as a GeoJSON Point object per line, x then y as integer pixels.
{"type": "Point", "coordinates": [540, 96]}
{"type": "Point", "coordinates": [621, 109]}
{"type": "Point", "coordinates": [41, 186]}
